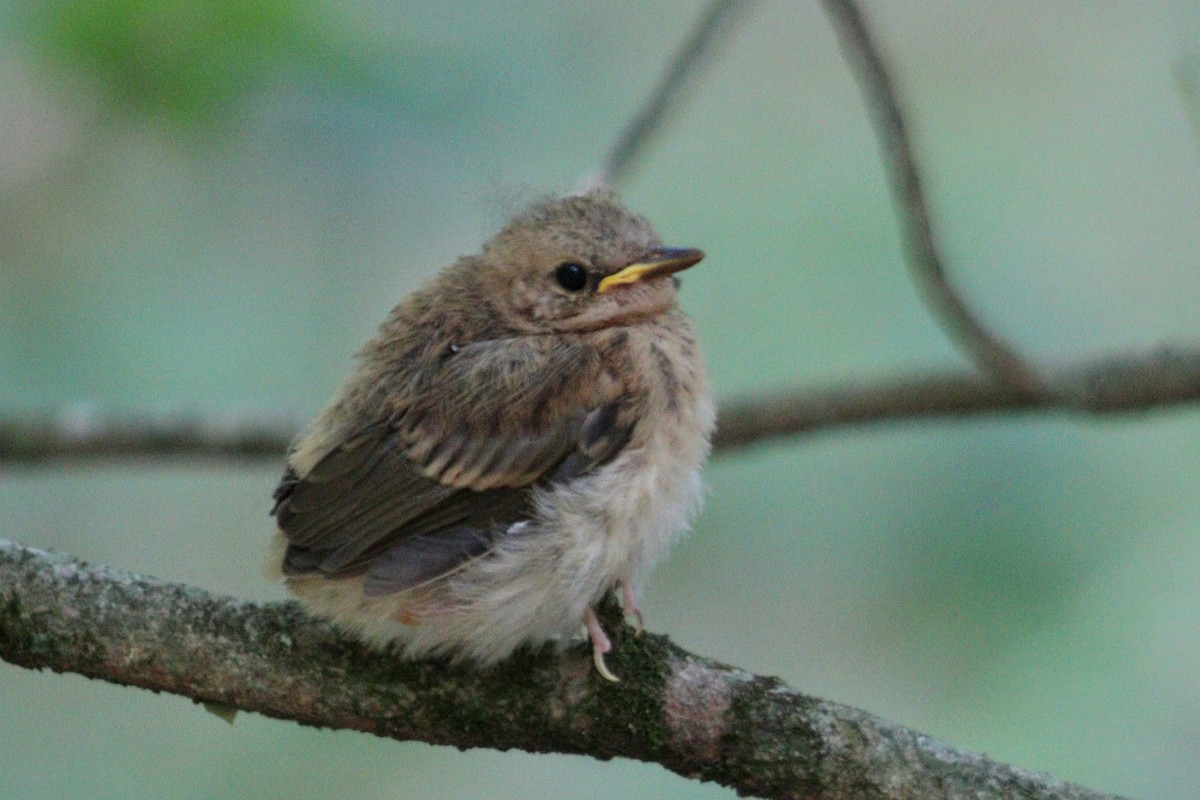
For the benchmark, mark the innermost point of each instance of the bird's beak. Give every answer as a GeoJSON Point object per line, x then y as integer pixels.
{"type": "Point", "coordinates": [660, 261]}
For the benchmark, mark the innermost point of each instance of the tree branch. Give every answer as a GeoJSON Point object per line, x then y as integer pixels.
{"type": "Point", "coordinates": [95, 435]}
{"type": "Point", "coordinates": [1111, 385]}
{"type": "Point", "coordinates": [695, 717]}
{"type": "Point", "coordinates": [989, 352]}
{"type": "Point", "coordinates": [680, 71]}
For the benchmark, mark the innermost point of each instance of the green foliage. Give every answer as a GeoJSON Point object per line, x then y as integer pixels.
{"type": "Point", "coordinates": [186, 61]}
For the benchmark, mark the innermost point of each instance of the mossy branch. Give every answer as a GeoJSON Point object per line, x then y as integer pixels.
{"type": "Point", "coordinates": [701, 719]}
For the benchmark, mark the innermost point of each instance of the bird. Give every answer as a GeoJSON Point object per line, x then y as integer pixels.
{"type": "Point", "coordinates": [524, 434]}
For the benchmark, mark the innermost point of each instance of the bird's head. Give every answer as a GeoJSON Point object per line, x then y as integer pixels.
{"type": "Point", "coordinates": [580, 263]}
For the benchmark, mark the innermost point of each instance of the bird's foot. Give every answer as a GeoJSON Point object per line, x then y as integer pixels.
{"type": "Point", "coordinates": [630, 607]}
{"type": "Point", "coordinates": [600, 645]}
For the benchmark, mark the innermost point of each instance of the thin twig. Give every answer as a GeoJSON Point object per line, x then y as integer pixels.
{"type": "Point", "coordinates": [986, 349]}
{"type": "Point", "coordinates": [1187, 80]}
{"type": "Point", "coordinates": [1115, 384]}
{"type": "Point", "coordinates": [698, 718]}
{"type": "Point", "coordinates": [682, 69]}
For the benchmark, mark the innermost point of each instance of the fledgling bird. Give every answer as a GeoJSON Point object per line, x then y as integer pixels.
{"type": "Point", "coordinates": [523, 434]}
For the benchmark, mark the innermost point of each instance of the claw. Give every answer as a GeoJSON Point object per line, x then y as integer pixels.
{"type": "Point", "coordinates": [602, 668]}
{"type": "Point", "coordinates": [600, 645]}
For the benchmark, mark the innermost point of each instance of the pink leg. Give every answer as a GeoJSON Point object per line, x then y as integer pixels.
{"type": "Point", "coordinates": [600, 645]}
{"type": "Point", "coordinates": [630, 606]}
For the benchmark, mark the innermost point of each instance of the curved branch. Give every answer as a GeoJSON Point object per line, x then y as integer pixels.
{"type": "Point", "coordinates": [698, 718]}
{"type": "Point", "coordinates": [680, 71]}
{"type": "Point", "coordinates": [989, 352]}
{"type": "Point", "coordinates": [1114, 384]}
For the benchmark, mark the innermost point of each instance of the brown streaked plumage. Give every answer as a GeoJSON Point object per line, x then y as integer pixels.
{"type": "Point", "coordinates": [523, 434]}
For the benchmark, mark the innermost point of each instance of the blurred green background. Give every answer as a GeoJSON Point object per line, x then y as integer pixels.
{"type": "Point", "coordinates": [209, 206]}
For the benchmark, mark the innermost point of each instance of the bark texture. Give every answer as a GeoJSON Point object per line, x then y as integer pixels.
{"type": "Point", "coordinates": [698, 718]}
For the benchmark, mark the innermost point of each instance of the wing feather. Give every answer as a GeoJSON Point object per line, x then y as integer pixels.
{"type": "Point", "coordinates": [452, 462]}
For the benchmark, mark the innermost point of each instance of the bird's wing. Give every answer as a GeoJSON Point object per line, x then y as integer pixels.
{"type": "Point", "coordinates": [410, 497]}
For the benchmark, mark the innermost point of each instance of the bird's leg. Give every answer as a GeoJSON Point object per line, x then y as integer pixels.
{"type": "Point", "coordinates": [630, 607]}
{"type": "Point", "coordinates": [600, 645]}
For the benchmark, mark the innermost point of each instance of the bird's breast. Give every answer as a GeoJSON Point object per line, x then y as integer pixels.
{"type": "Point", "coordinates": [645, 498]}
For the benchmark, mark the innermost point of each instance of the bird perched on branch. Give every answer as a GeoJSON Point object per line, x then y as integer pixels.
{"type": "Point", "coordinates": [523, 434]}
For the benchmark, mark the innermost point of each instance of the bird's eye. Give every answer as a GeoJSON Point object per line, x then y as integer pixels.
{"type": "Point", "coordinates": [571, 276]}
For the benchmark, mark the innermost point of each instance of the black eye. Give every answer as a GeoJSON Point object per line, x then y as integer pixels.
{"type": "Point", "coordinates": [571, 276]}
